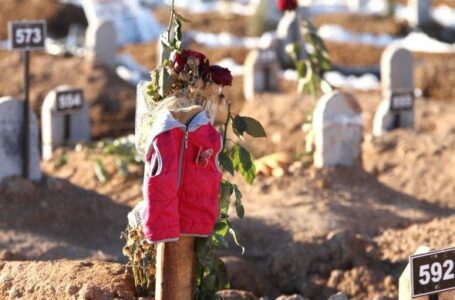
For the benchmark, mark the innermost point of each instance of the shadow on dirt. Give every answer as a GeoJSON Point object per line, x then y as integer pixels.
{"type": "Point", "coordinates": [356, 206]}
{"type": "Point", "coordinates": [54, 219]}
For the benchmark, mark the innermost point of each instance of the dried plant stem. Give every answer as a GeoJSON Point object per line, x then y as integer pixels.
{"type": "Point", "coordinates": [226, 125]}
{"type": "Point", "coordinates": [170, 22]}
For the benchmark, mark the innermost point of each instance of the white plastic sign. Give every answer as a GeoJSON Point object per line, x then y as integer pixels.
{"type": "Point", "coordinates": [27, 35]}
{"type": "Point", "coordinates": [432, 272]}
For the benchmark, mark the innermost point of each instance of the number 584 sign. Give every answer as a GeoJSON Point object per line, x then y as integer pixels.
{"type": "Point", "coordinates": [27, 35]}
{"type": "Point", "coordinates": [432, 272]}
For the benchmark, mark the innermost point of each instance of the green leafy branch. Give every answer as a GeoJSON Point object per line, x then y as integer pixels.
{"type": "Point", "coordinates": [310, 70]}
{"type": "Point", "coordinates": [211, 271]}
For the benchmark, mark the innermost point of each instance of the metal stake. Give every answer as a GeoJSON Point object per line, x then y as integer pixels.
{"type": "Point", "coordinates": [26, 141]}
{"type": "Point", "coordinates": [434, 297]}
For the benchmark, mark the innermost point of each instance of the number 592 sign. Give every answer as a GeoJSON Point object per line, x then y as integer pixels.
{"type": "Point", "coordinates": [432, 272]}
{"type": "Point", "coordinates": [27, 35]}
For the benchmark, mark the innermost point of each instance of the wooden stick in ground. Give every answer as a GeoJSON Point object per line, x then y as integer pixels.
{"type": "Point", "coordinates": [175, 270]}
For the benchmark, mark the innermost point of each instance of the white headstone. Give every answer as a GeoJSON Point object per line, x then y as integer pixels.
{"type": "Point", "coordinates": [101, 42]}
{"type": "Point", "coordinates": [404, 292]}
{"type": "Point", "coordinates": [65, 119]}
{"type": "Point", "coordinates": [356, 5]}
{"type": "Point", "coordinates": [419, 12]}
{"type": "Point", "coordinates": [133, 23]}
{"type": "Point", "coordinates": [397, 108]}
{"type": "Point", "coordinates": [11, 140]}
{"type": "Point", "coordinates": [338, 130]}
{"type": "Point", "coordinates": [268, 11]}
{"type": "Point", "coordinates": [261, 73]}
{"type": "Point", "coordinates": [288, 32]}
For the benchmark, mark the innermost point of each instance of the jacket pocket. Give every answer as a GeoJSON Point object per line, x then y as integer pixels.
{"type": "Point", "coordinates": [156, 162]}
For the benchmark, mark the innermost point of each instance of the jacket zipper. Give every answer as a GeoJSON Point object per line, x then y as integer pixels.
{"type": "Point", "coordinates": [181, 154]}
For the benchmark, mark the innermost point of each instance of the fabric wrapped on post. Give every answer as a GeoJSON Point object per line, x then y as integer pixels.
{"type": "Point", "coordinates": [182, 178]}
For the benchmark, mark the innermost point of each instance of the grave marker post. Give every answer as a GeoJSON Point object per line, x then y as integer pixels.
{"type": "Point", "coordinates": [26, 36]}
{"type": "Point", "coordinates": [288, 32]}
{"type": "Point", "coordinates": [11, 140]}
{"type": "Point", "coordinates": [261, 73]}
{"type": "Point", "coordinates": [419, 12]}
{"type": "Point", "coordinates": [397, 108]}
{"type": "Point", "coordinates": [101, 40]}
{"type": "Point", "coordinates": [65, 119]}
{"type": "Point", "coordinates": [338, 126]}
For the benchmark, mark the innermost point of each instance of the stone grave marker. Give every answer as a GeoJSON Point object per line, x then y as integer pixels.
{"type": "Point", "coordinates": [101, 42]}
{"type": "Point", "coordinates": [65, 119]}
{"type": "Point", "coordinates": [356, 5]}
{"type": "Point", "coordinates": [261, 73]}
{"type": "Point", "coordinates": [404, 292]}
{"type": "Point", "coordinates": [11, 140]}
{"type": "Point", "coordinates": [397, 108]}
{"type": "Point", "coordinates": [288, 32]}
{"type": "Point", "coordinates": [419, 12]}
{"type": "Point", "coordinates": [338, 130]}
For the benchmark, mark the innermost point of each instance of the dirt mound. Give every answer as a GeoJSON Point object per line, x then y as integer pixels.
{"type": "Point", "coordinates": [303, 226]}
{"type": "Point", "coordinates": [373, 24]}
{"type": "Point", "coordinates": [59, 16]}
{"type": "Point", "coordinates": [79, 169]}
{"type": "Point", "coordinates": [54, 219]}
{"type": "Point", "coordinates": [298, 212]}
{"type": "Point", "coordinates": [363, 283]}
{"type": "Point", "coordinates": [65, 279]}
{"type": "Point", "coordinates": [435, 75]}
{"type": "Point", "coordinates": [112, 100]}
{"type": "Point", "coordinates": [281, 122]}
{"type": "Point", "coordinates": [437, 234]}
{"type": "Point", "coordinates": [401, 158]}
{"type": "Point", "coordinates": [208, 22]}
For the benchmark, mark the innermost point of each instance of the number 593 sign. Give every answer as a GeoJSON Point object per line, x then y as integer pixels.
{"type": "Point", "coordinates": [26, 35]}
{"type": "Point", "coordinates": [432, 272]}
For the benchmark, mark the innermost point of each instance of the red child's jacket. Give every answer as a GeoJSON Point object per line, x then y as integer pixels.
{"type": "Point", "coordinates": [182, 178]}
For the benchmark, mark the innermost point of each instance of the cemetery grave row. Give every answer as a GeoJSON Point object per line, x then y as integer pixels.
{"type": "Point", "coordinates": [65, 120]}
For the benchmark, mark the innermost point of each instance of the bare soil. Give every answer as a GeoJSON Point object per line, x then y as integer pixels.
{"type": "Point", "coordinates": [209, 22]}
{"type": "Point", "coordinates": [311, 232]}
{"type": "Point", "coordinates": [65, 280]}
{"type": "Point", "coordinates": [373, 24]}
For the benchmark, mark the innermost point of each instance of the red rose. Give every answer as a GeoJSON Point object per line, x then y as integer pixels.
{"type": "Point", "coordinates": [284, 5]}
{"type": "Point", "coordinates": [221, 76]}
{"type": "Point", "coordinates": [182, 58]}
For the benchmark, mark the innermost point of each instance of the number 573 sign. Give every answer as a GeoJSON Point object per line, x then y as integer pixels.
{"type": "Point", "coordinates": [27, 35]}
{"type": "Point", "coordinates": [432, 272]}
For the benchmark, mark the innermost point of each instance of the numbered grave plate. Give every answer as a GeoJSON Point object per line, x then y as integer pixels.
{"type": "Point", "coordinates": [402, 102]}
{"type": "Point", "coordinates": [70, 100]}
{"type": "Point", "coordinates": [266, 57]}
{"type": "Point", "coordinates": [432, 272]}
{"type": "Point", "coordinates": [27, 35]}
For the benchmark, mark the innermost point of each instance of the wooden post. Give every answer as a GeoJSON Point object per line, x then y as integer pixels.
{"type": "Point", "coordinates": [175, 270]}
